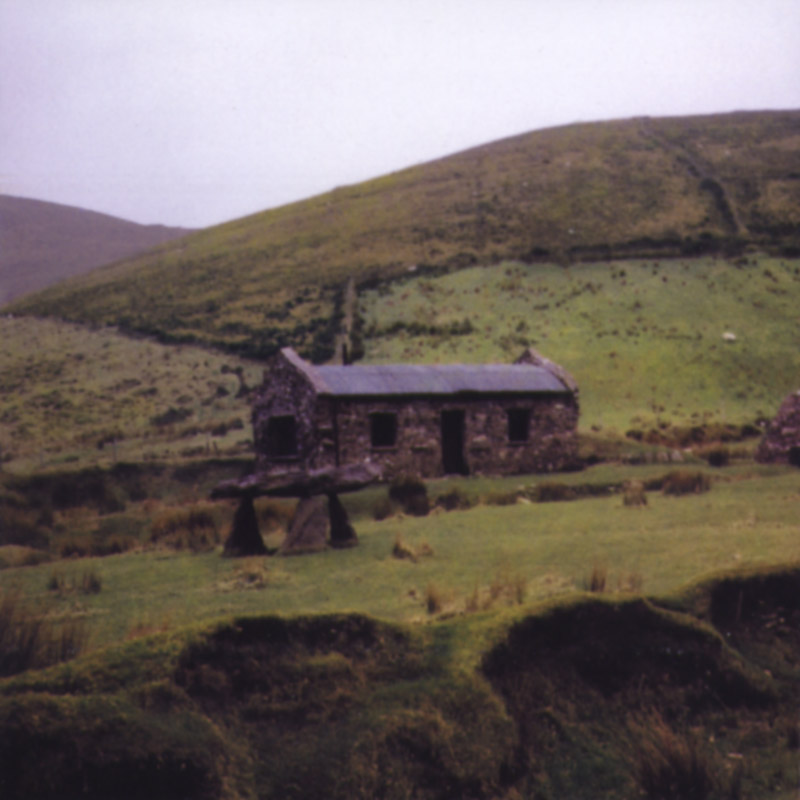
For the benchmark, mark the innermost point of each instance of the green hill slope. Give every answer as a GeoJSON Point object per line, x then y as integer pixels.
{"type": "Point", "coordinates": [646, 187]}
{"type": "Point", "coordinates": [44, 243]}
{"type": "Point", "coordinates": [653, 344]}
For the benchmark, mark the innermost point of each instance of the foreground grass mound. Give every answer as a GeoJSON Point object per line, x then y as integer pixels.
{"type": "Point", "coordinates": [593, 697]}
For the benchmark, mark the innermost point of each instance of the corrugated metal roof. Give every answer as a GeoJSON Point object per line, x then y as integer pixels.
{"type": "Point", "coordinates": [409, 379]}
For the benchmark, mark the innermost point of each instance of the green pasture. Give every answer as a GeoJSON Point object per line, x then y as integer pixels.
{"type": "Point", "coordinates": [643, 339]}
{"type": "Point", "coordinates": [486, 556]}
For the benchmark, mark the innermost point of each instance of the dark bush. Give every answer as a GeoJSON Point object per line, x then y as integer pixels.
{"type": "Point", "coordinates": [411, 494]}
{"type": "Point", "coordinates": [553, 492]}
{"type": "Point", "coordinates": [684, 482]}
{"type": "Point", "coordinates": [718, 456]}
{"type": "Point", "coordinates": [453, 500]}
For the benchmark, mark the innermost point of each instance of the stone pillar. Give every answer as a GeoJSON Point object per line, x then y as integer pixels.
{"type": "Point", "coordinates": [245, 537]}
{"type": "Point", "coordinates": [308, 530]}
{"type": "Point", "coordinates": [342, 532]}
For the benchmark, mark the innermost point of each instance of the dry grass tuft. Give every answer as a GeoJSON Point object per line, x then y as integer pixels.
{"type": "Point", "coordinates": [192, 528]}
{"type": "Point", "coordinates": [29, 640]}
{"type": "Point", "coordinates": [597, 579]}
{"type": "Point", "coordinates": [667, 764]}
{"type": "Point", "coordinates": [434, 599]}
{"type": "Point", "coordinates": [634, 494]}
{"type": "Point", "coordinates": [402, 550]}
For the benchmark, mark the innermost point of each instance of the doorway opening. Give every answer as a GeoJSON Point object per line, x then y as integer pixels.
{"type": "Point", "coordinates": [453, 459]}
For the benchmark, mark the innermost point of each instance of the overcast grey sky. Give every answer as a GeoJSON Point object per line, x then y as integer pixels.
{"type": "Point", "coordinates": [194, 112]}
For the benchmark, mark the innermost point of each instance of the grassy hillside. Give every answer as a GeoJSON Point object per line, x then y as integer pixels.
{"type": "Point", "coordinates": [663, 187]}
{"type": "Point", "coordinates": [71, 395]}
{"type": "Point", "coordinates": [44, 243]}
{"type": "Point", "coordinates": [643, 338]}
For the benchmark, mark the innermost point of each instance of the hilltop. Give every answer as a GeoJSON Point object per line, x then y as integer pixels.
{"type": "Point", "coordinates": [44, 243]}
{"type": "Point", "coordinates": [644, 187]}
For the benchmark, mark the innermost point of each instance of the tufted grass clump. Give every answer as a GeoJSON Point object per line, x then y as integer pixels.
{"type": "Point", "coordinates": [193, 529]}
{"type": "Point", "coordinates": [633, 494]}
{"type": "Point", "coordinates": [670, 764]}
{"type": "Point", "coordinates": [29, 640]}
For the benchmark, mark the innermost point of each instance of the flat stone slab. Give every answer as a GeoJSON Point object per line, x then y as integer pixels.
{"type": "Point", "coordinates": [331, 480]}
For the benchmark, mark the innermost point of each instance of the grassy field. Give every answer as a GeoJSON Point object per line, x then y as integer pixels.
{"type": "Point", "coordinates": [483, 668]}
{"type": "Point", "coordinates": [526, 552]}
{"type": "Point", "coordinates": [643, 339]}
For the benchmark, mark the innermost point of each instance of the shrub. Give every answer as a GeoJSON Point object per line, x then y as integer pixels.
{"type": "Point", "coordinates": [633, 494]}
{"type": "Point", "coordinates": [718, 456]}
{"type": "Point", "coordinates": [411, 494]}
{"type": "Point", "coordinates": [417, 506]}
{"type": "Point", "coordinates": [453, 500]}
{"type": "Point", "coordinates": [682, 482]}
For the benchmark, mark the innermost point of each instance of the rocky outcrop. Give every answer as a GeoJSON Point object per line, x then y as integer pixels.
{"type": "Point", "coordinates": [781, 442]}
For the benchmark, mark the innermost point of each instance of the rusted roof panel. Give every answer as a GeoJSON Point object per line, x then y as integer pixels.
{"type": "Point", "coordinates": [444, 379]}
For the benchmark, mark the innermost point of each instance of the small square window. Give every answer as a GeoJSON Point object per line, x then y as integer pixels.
{"type": "Point", "coordinates": [518, 424]}
{"type": "Point", "coordinates": [383, 429]}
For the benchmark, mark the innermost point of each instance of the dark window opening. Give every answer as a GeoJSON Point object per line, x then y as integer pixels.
{"type": "Point", "coordinates": [383, 430]}
{"type": "Point", "coordinates": [518, 424]}
{"type": "Point", "coordinates": [453, 460]}
{"type": "Point", "coordinates": [282, 437]}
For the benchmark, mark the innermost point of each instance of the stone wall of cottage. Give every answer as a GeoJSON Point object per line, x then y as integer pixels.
{"type": "Point", "coordinates": [285, 392]}
{"type": "Point", "coordinates": [551, 443]}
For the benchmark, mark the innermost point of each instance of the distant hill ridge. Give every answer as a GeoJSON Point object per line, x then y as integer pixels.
{"type": "Point", "coordinates": [43, 243]}
{"type": "Point", "coordinates": [645, 187]}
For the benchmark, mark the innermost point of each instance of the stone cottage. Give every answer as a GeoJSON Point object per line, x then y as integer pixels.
{"type": "Point", "coordinates": [497, 419]}
{"type": "Point", "coordinates": [781, 441]}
